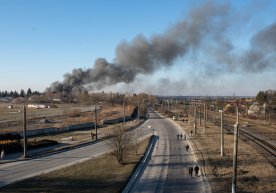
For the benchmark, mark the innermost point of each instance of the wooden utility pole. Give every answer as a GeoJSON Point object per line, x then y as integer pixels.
{"type": "Point", "coordinates": [24, 133]}
{"type": "Point", "coordinates": [96, 128]}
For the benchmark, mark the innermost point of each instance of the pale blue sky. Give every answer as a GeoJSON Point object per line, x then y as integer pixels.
{"type": "Point", "coordinates": [40, 40]}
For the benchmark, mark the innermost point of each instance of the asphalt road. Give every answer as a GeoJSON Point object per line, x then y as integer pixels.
{"type": "Point", "coordinates": [167, 170]}
{"type": "Point", "coordinates": [16, 171]}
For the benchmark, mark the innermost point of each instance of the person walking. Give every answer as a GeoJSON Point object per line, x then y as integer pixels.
{"type": "Point", "coordinates": [181, 136]}
{"type": "Point", "coordinates": [187, 148]}
{"type": "Point", "coordinates": [196, 170]}
{"type": "Point", "coordinates": [191, 171]}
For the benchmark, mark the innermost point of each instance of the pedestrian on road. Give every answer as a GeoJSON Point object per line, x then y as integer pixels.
{"type": "Point", "coordinates": [187, 148]}
{"type": "Point", "coordinates": [185, 137]}
{"type": "Point", "coordinates": [181, 136]}
{"type": "Point", "coordinates": [196, 170]}
{"type": "Point", "coordinates": [191, 171]}
{"type": "Point", "coordinates": [177, 136]}
{"type": "Point", "coordinates": [2, 154]}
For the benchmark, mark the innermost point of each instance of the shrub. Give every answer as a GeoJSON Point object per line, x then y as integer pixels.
{"type": "Point", "coordinates": [41, 143]}
{"type": "Point", "coordinates": [10, 137]}
{"type": "Point", "coordinates": [73, 112]}
{"type": "Point", "coordinates": [10, 146]}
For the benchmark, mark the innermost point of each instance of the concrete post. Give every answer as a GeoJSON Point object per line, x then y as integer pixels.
{"type": "Point", "coordinates": [24, 133]}
{"type": "Point", "coordinates": [205, 117]}
{"type": "Point", "coordinates": [222, 134]}
{"type": "Point", "coordinates": [195, 121]}
{"type": "Point", "coordinates": [200, 115]}
{"type": "Point", "coordinates": [96, 128]}
{"type": "Point", "coordinates": [235, 156]}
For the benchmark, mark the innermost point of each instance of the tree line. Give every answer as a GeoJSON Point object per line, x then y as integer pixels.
{"type": "Point", "coordinates": [22, 93]}
{"type": "Point", "coordinates": [268, 97]}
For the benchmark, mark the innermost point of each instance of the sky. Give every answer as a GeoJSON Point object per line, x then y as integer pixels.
{"type": "Point", "coordinates": [195, 47]}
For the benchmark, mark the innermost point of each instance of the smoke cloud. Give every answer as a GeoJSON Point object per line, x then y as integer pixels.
{"type": "Point", "coordinates": [204, 25]}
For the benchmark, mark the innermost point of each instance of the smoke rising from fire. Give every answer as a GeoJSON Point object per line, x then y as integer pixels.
{"type": "Point", "coordinates": [203, 25]}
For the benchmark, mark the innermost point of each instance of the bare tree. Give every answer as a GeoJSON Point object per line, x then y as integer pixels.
{"type": "Point", "coordinates": [120, 143]}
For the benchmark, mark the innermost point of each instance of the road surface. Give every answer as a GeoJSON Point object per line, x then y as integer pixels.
{"type": "Point", "coordinates": [16, 171]}
{"type": "Point", "coordinates": [167, 170]}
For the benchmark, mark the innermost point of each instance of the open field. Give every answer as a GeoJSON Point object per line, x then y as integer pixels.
{"type": "Point", "coordinates": [99, 175]}
{"type": "Point", "coordinates": [62, 116]}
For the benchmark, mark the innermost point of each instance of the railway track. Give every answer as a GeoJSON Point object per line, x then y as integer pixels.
{"type": "Point", "coordinates": [267, 149]}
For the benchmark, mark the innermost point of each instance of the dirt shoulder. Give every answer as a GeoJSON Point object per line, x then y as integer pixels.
{"type": "Point", "coordinates": [255, 174]}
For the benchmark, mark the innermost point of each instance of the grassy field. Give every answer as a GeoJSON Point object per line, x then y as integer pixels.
{"type": "Point", "coordinates": [98, 175]}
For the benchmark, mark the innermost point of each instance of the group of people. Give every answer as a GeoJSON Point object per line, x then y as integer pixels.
{"type": "Point", "coordinates": [191, 169]}
{"type": "Point", "coordinates": [180, 136]}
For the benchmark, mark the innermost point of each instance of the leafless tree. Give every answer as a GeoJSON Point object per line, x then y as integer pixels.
{"type": "Point", "coordinates": [120, 143]}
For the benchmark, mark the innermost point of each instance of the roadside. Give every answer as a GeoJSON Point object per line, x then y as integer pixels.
{"type": "Point", "coordinates": [67, 140]}
{"type": "Point", "coordinates": [255, 174]}
{"type": "Point", "coordinates": [101, 174]}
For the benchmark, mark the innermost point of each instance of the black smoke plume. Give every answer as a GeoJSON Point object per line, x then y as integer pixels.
{"type": "Point", "coordinates": [142, 55]}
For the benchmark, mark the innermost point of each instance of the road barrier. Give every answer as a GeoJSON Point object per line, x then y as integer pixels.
{"type": "Point", "coordinates": [141, 165]}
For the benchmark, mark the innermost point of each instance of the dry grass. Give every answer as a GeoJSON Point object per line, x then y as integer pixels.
{"type": "Point", "coordinates": [99, 175]}
{"type": "Point", "coordinates": [84, 135]}
{"type": "Point", "coordinates": [255, 174]}
{"type": "Point", "coordinates": [12, 122]}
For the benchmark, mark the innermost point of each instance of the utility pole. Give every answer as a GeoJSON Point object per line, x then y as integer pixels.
{"type": "Point", "coordinates": [124, 112]}
{"type": "Point", "coordinates": [269, 115]}
{"type": "Point", "coordinates": [222, 134]}
{"type": "Point", "coordinates": [205, 117]}
{"type": "Point", "coordinates": [214, 119]}
{"type": "Point", "coordinates": [96, 122]}
{"type": "Point", "coordinates": [200, 114]}
{"type": "Point", "coordinates": [235, 153]}
{"type": "Point", "coordinates": [138, 112]}
{"type": "Point", "coordinates": [24, 132]}
{"type": "Point", "coordinates": [195, 124]}
{"type": "Point", "coordinates": [207, 111]}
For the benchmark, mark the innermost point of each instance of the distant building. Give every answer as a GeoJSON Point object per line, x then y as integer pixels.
{"type": "Point", "coordinates": [36, 106]}
{"type": "Point", "coordinates": [256, 109]}
{"type": "Point", "coordinates": [56, 100]}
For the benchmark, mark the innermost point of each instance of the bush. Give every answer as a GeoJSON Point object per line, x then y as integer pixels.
{"type": "Point", "coordinates": [10, 146]}
{"type": "Point", "coordinates": [10, 137]}
{"type": "Point", "coordinates": [13, 146]}
{"type": "Point", "coordinates": [73, 112]}
{"type": "Point", "coordinates": [41, 143]}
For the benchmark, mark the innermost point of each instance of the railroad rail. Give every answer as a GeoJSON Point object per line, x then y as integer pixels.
{"type": "Point", "coordinates": [269, 150]}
